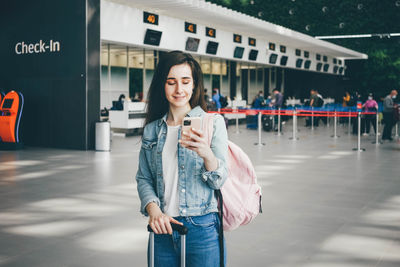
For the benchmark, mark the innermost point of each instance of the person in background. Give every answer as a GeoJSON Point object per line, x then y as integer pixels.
{"type": "Point", "coordinates": [136, 98]}
{"type": "Point", "coordinates": [268, 100]}
{"type": "Point", "coordinates": [316, 101]}
{"type": "Point", "coordinates": [215, 98]}
{"type": "Point", "coordinates": [346, 99]}
{"type": "Point", "coordinates": [211, 106]}
{"type": "Point", "coordinates": [356, 99]}
{"type": "Point", "coordinates": [277, 103]}
{"type": "Point", "coordinates": [370, 106]}
{"type": "Point", "coordinates": [259, 101]}
{"type": "Point", "coordinates": [388, 116]}
{"type": "Point", "coordinates": [119, 105]}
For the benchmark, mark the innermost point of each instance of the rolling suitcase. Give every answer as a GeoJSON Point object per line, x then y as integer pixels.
{"type": "Point", "coordinates": [182, 230]}
{"type": "Point", "coordinates": [267, 122]}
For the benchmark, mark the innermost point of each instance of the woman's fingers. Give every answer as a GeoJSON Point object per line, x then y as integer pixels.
{"type": "Point", "coordinates": [172, 220]}
{"type": "Point", "coordinates": [162, 223]}
{"type": "Point", "coordinates": [197, 132]}
{"type": "Point", "coordinates": [168, 226]}
{"type": "Point", "coordinates": [189, 143]}
{"type": "Point", "coordinates": [156, 227]}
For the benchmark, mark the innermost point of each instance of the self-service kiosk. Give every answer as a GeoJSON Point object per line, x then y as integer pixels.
{"type": "Point", "coordinates": [1, 98]}
{"type": "Point", "coordinates": [10, 115]}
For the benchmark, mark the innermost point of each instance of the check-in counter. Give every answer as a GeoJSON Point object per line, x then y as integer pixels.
{"type": "Point", "coordinates": [130, 118]}
{"type": "Point", "coordinates": [236, 104]}
{"type": "Point", "coordinates": [293, 102]}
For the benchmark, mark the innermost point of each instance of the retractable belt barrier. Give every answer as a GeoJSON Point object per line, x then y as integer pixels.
{"type": "Point", "coordinates": [302, 113]}
{"type": "Point", "coordinates": [289, 112]}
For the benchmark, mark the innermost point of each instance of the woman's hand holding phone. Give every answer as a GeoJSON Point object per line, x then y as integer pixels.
{"type": "Point", "coordinates": [196, 141]}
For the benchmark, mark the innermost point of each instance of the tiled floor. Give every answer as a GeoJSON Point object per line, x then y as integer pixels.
{"type": "Point", "coordinates": [324, 204]}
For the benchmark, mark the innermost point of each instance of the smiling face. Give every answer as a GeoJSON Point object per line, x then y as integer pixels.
{"type": "Point", "coordinates": [179, 86]}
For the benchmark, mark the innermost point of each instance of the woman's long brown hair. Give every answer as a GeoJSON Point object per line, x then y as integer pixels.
{"type": "Point", "coordinates": [158, 104]}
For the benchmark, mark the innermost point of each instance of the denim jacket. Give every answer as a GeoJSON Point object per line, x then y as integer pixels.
{"type": "Point", "coordinates": [195, 184]}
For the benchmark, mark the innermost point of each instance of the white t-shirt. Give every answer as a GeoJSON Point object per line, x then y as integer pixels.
{"type": "Point", "coordinates": [170, 171]}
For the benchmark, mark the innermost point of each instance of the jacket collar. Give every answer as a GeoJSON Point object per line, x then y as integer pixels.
{"type": "Point", "coordinates": [194, 112]}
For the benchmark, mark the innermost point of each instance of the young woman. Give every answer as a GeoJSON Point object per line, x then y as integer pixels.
{"type": "Point", "coordinates": [176, 178]}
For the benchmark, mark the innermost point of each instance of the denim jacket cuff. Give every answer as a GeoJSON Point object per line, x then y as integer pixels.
{"type": "Point", "coordinates": [143, 208]}
{"type": "Point", "coordinates": [212, 176]}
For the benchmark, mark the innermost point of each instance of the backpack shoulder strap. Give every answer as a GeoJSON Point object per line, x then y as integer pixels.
{"type": "Point", "coordinates": [208, 126]}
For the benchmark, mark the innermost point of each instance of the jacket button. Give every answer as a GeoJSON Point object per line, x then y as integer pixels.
{"type": "Point", "coordinates": [182, 167]}
{"type": "Point", "coordinates": [183, 190]}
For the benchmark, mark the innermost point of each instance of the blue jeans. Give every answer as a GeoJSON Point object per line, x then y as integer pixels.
{"type": "Point", "coordinates": [202, 245]}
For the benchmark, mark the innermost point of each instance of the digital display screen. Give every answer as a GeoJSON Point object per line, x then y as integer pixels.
{"type": "Point", "coordinates": [341, 70]}
{"type": "Point", "coordinates": [253, 54]}
{"type": "Point", "coordinates": [334, 61]}
{"type": "Point", "coordinates": [212, 48]}
{"type": "Point", "coordinates": [210, 32]}
{"type": "Point", "coordinates": [298, 52]}
{"type": "Point", "coordinates": [273, 58]}
{"type": "Point", "coordinates": [299, 62]}
{"type": "Point", "coordinates": [307, 64]}
{"type": "Point", "coordinates": [340, 62]}
{"type": "Point", "coordinates": [150, 18]}
{"type": "Point", "coordinates": [326, 67]}
{"type": "Point", "coordinates": [283, 49]}
{"type": "Point", "coordinates": [192, 44]}
{"type": "Point", "coordinates": [8, 103]}
{"type": "Point", "coordinates": [318, 56]}
{"type": "Point", "coordinates": [238, 53]}
{"type": "Point", "coordinates": [190, 27]}
{"type": "Point", "coordinates": [252, 41]}
{"type": "Point", "coordinates": [272, 46]}
{"type": "Point", "coordinates": [237, 38]}
{"type": "Point", "coordinates": [325, 58]}
{"type": "Point", "coordinates": [335, 69]}
{"type": "Point", "coordinates": [284, 60]}
{"type": "Point", "coordinates": [152, 37]}
{"type": "Point", "coordinates": [306, 54]}
{"type": "Point", "coordinates": [319, 66]}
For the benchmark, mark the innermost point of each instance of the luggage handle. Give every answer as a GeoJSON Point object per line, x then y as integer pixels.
{"type": "Point", "coordinates": [181, 229]}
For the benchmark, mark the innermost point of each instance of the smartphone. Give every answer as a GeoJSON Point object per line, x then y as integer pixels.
{"type": "Point", "coordinates": [190, 122]}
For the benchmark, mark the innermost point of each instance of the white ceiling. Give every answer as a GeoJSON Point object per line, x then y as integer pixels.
{"type": "Point", "coordinates": [199, 11]}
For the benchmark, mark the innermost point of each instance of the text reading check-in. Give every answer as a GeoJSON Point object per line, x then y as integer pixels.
{"type": "Point", "coordinates": [36, 48]}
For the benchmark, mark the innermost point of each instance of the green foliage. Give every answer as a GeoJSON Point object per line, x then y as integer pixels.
{"type": "Point", "coordinates": [325, 17]}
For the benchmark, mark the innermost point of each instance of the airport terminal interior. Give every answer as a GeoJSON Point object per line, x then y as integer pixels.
{"type": "Point", "coordinates": [72, 116]}
{"type": "Point", "coordinates": [323, 204]}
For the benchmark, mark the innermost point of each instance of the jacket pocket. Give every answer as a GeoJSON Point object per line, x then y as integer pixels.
{"type": "Point", "coordinates": [149, 144]}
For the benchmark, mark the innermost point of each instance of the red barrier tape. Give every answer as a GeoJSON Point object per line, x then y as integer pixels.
{"type": "Point", "coordinates": [300, 113]}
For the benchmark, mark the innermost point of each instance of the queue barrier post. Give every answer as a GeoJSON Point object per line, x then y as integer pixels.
{"type": "Point", "coordinates": [294, 137]}
{"type": "Point", "coordinates": [259, 126]}
{"type": "Point", "coordinates": [349, 123]}
{"type": "Point", "coordinates": [279, 122]}
{"type": "Point", "coordinates": [312, 118]}
{"type": "Point", "coordinates": [237, 120]}
{"type": "Point", "coordinates": [335, 126]}
{"type": "Point", "coordinates": [359, 149]}
{"type": "Point", "coordinates": [377, 142]}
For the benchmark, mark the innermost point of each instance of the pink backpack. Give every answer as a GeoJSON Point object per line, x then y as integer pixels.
{"type": "Point", "coordinates": [240, 193]}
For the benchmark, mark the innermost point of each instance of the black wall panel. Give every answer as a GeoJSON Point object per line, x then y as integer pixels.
{"type": "Point", "coordinates": [61, 86]}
